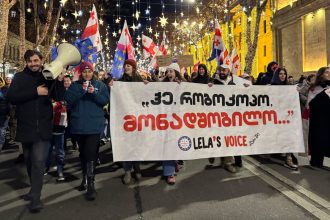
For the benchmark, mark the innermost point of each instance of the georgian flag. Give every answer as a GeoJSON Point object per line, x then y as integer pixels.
{"type": "Point", "coordinates": [236, 65]}
{"type": "Point", "coordinates": [125, 50]}
{"type": "Point", "coordinates": [149, 47]}
{"type": "Point", "coordinates": [195, 68]}
{"type": "Point", "coordinates": [92, 30]}
{"type": "Point", "coordinates": [225, 59]}
{"type": "Point", "coordinates": [161, 51]}
{"type": "Point", "coordinates": [162, 48]}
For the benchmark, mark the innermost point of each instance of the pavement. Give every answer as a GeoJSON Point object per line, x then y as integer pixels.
{"type": "Point", "coordinates": [262, 189]}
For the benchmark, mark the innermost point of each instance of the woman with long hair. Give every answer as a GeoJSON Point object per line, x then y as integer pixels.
{"type": "Point", "coordinates": [172, 74]}
{"type": "Point", "coordinates": [203, 76]}
{"type": "Point", "coordinates": [319, 118]}
{"type": "Point", "coordinates": [280, 77]}
{"type": "Point", "coordinates": [85, 99]}
{"type": "Point", "coordinates": [131, 75]}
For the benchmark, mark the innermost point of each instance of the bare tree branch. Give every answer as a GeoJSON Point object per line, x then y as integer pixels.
{"type": "Point", "coordinates": [12, 3]}
{"type": "Point", "coordinates": [47, 24]}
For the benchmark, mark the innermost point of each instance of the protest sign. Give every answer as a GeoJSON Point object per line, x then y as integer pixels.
{"type": "Point", "coordinates": [170, 121]}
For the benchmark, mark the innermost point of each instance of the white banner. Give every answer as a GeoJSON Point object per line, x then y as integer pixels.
{"type": "Point", "coordinates": [171, 121]}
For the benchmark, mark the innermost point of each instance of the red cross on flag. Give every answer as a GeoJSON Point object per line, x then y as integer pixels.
{"type": "Point", "coordinates": [195, 68]}
{"type": "Point", "coordinates": [159, 52]}
{"type": "Point", "coordinates": [235, 62]}
{"type": "Point", "coordinates": [153, 63]}
{"type": "Point", "coordinates": [149, 47]}
{"type": "Point", "coordinates": [92, 30]}
{"type": "Point", "coordinates": [125, 42]}
{"type": "Point", "coordinates": [225, 60]}
{"type": "Point", "coordinates": [218, 47]}
{"type": "Point", "coordinates": [162, 48]}
{"type": "Point", "coordinates": [217, 40]}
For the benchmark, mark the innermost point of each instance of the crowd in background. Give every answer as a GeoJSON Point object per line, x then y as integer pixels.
{"type": "Point", "coordinates": [50, 118]}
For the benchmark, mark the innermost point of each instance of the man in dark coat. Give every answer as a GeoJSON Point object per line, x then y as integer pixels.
{"type": "Point", "coordinates": [32, 93]}
{"type": "Point", "coordinates": [223, 76]}
{"type": "Point", "coordinates": [267, 77]}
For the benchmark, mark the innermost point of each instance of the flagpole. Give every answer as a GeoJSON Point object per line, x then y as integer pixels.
{"type": "Point", "coordinates": [103, 64]}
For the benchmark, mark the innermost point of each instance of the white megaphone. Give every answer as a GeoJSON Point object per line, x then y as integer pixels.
{"type": "Point", "coordinates": [67, 55]}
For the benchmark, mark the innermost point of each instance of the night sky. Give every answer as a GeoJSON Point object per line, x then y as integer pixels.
{"type": "Point", "coordinates": [126, 10]}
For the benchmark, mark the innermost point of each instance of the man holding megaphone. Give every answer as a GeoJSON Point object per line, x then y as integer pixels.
{"type": "Point", "coordinates": [32, 95]}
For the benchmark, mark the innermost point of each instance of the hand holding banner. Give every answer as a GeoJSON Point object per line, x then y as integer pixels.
{"type": "Point", "coordinates": [190, 121]}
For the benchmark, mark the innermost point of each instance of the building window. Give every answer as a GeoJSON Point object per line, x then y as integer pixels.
{"type": "Point", "coordinates": [265, 51]}
{"type": "Point", "coordinates": [13, 14]}
{"type": "Point", "coordinates": [265, 26]}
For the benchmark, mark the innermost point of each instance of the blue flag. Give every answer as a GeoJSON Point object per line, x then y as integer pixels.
{"type": "Point", "coordinates": [86, 49]}
{"type": "Point", "coordinates": [53, 53]}
{"type": "Point", "coordinates": [118, 63]}
{"type": "Point", "coordinates": [215, 54]}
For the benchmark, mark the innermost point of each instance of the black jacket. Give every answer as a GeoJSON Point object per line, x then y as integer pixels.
{"type": "Point", "coordinates": [217, 81]}
{"type": "Point", "coordinates": [4, 106]}
{"type": "Point", "coordinates": [34, 113]}
{"type": "Point", "coordinates": [127, 78]}
{"type": "Point", "coordinates": [201, 79]}
{"type": "Point", "coordinates": [319, 129]}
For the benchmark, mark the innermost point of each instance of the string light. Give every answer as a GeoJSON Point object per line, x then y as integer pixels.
{"type": "Point", "coordinates": [163, 21]}
{"type": "Point", "coordinates": [134, 27]}
{"type": "Point", "coordinates": [175, 24]}
{"type": "Point", "coordinates": [75, 14]}
{"type": "Point", "coordinates": [63, 2]}
{"type": "Point", "coordinates": [65, 26]}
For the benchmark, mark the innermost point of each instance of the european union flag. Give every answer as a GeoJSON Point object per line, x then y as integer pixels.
{"type": "Point", "coordinates": [117, 66]}
{"type": "Point", "coordinates": [87, 51]}
{"type": "Point", "coordinates": [53, 53]}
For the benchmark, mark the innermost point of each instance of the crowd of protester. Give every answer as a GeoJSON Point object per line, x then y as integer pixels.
{"type": "Point", "coordinates": [44, 116]}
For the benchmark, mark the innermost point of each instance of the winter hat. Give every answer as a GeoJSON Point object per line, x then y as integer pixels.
{"type": "Point", "coordinates": [225, 66]}
{"type": "Point", "coordinates": [130, 62]}
{"type": "Point", "coordinates": [85, 65]}
{"type": "Point", "coordinates": [173, 66]}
